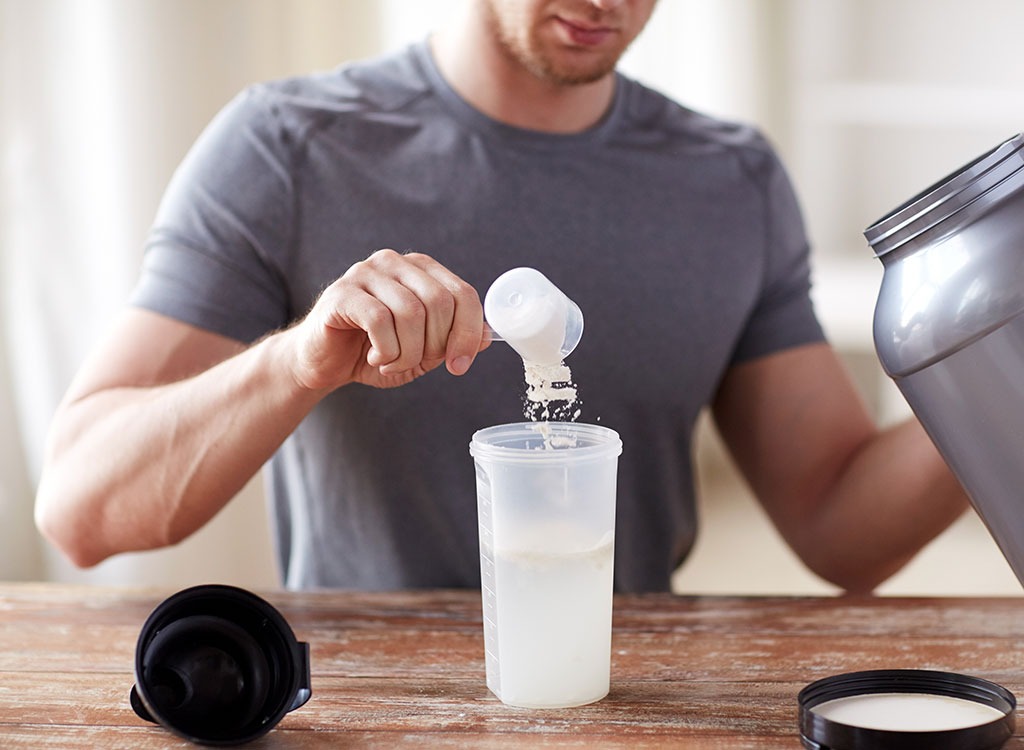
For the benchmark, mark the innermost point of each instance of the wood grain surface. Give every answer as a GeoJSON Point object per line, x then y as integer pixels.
{"type": "Point", "coordinates": [397, 670]}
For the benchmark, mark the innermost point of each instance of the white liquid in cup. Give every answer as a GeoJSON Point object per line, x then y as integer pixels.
{"type": "Point", "coordinates": [907, 712]}
{"type": "Point", "coordinates": [563, 657]}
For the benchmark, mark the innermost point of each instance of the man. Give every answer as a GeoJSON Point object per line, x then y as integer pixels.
{"type": "Point", "coordinates": [507, 140]}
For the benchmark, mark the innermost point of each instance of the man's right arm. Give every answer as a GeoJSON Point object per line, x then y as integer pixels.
{"type": "Point", "coordinates": [162, 426]}
{"type": "Point", "coordinates": [166, 422]}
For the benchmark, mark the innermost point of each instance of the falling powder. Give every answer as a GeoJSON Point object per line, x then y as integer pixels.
{"type": "Point", "coordinates": [550, 393]}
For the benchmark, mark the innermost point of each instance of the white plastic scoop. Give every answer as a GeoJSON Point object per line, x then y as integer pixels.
{"type": "Point", "coordinates": [533, 316]}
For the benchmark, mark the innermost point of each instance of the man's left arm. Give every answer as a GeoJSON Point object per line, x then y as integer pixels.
{"type": "Point", "coordinates": [856, 503]}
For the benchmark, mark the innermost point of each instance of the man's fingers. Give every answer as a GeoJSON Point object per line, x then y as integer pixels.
{"type": "Point", "coordinates": [360, 310]}
{"type": "Point", "coordinates": [415, 312]}
{"type": "Point", "coordinates": [458, 333]}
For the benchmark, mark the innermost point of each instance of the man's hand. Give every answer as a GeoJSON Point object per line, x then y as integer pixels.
{"type": "Point", "coordinates": [386, 321]}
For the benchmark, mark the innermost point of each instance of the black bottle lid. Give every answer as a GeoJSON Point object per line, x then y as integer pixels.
{"type": "Point", "coordinates": [819, 732]}
{"type": "Point", "coordinates": [218, 665]}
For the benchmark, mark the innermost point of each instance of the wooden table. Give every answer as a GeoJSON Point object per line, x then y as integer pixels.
{"type": "Point", "coordinates": [401, 670]}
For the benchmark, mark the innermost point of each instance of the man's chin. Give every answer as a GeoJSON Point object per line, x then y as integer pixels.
{"type": "Point", "coordinates": [575, 73]}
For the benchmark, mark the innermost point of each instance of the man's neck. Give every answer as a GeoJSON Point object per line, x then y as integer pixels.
{"type": "Point", "coordinates": [505, 91]}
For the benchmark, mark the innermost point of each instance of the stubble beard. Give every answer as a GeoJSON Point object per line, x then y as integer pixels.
{"type": "Point", "coordinates": [564, 76]}
{"type": "Point", "coordinates": [528, 52]}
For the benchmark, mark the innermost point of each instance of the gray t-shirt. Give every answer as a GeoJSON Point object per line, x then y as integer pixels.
{"type": "Point", "coordinates": [678, 235]}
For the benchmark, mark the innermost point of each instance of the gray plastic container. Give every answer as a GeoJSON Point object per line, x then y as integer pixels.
{"type": "Point", "coordinates": [949, 328]}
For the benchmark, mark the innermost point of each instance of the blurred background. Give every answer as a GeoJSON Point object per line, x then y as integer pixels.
{"type": "Point", "coordinates": [868, 101]}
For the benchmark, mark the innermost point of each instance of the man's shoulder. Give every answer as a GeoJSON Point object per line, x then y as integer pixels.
{"type": "Point", "coordinates": [649, 113]}
{"type": "Point", "coordinates": [379, 84]}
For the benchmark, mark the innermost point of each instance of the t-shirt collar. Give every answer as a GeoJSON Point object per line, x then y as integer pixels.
{"type": "Point", "coordinates": [471, 116]}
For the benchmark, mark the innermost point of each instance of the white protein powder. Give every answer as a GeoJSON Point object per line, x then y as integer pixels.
{"type": "Point", "coordinates": [550, 393]}
{"type": "Point", "coordinates": [907, 712]}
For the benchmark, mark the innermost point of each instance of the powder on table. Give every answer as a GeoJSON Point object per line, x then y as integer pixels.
{"type": "Point", "coordinates": [907, 712]}
{"type": "Point", "coordinates": [550, 393]}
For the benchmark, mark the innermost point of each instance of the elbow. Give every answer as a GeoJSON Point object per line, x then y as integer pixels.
{"type": "Point", "coordinates": [85, 528]}
{"type": "Point", "coordinates": [857, 585]}
{"type": "Point", "coordinates": [59, 526]}
{"type": "Point", "coordinates": [853, 577]}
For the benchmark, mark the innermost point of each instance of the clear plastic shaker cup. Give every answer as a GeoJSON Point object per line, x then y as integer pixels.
{"type": "Point", "coordinates": [533, 315]}
{"type": "Point", "coordinates": [546, 502]}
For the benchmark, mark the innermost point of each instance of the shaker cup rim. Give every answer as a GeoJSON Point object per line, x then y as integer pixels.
{"type": "Point", "coordinates": [543, 441]}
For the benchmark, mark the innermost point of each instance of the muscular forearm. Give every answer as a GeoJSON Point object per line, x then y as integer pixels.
{"type": "Point", "coordinates": [166, 422]}
{"type": "Point", "coordinates": [890, 500]}
{"type": "Point", "coordinates": [854, 502]}
{"type": "Point", "coordinates": [133, 468]}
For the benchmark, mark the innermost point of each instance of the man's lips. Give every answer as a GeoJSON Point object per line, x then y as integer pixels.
{"type": "Point", "coordinates": [582, 34]}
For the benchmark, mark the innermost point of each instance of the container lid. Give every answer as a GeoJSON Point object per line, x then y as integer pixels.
{"type": "Point", "coordinates": [900, 709]}
{"type": "Point", "coordinates": [961, 188]}
{"type": "Point", "coordinates": [218, 665]}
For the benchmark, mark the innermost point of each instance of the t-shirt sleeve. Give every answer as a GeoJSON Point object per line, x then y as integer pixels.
{"type": "Point", "coordinates": [783, 315]}
{"type": "Point", "coordinates": [215, 253]}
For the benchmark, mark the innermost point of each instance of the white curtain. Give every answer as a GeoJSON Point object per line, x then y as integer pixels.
{"type": "Point", "coordinates": [99, 99]}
